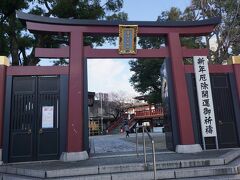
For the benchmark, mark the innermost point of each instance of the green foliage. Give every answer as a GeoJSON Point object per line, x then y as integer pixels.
{"type": "Point", "coordinates": [10, 28]}
{"type": "Point", "coordinates": [146, 78]}
{"type": "Point", "coordinates": [172, 15]}
{"type": "Point", "coordinates": [152, 42]}
{"type": "Point", "coordinates": [77, 9]}
{"type": "Point", "coordinates": [226, 35]}
{"type": "Point", "coordinates": [61, 62]}
{"type": "Point", "coordinates": [4, 48]}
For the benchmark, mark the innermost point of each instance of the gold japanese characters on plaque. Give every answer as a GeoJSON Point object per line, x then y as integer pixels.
{"type": "Point", "coordinates": [127, 39]}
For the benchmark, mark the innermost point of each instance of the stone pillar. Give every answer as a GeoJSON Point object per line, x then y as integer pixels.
{"type": "Point", "coordinates": [4, 62]}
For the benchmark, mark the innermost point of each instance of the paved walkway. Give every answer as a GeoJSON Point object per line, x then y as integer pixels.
{"type": "Point", "coordinates": [119, 143]}
{"type": "Point", "coordinates": [111, 143]}
{"type": "Point", "coordinates": [126, 159]}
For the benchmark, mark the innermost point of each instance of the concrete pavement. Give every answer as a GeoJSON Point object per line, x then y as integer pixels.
{"type": "Point", "coordinates": [119, 143]}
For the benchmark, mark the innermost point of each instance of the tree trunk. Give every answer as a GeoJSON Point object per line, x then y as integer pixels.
{"type": "Point", "coordinates": [13, 40]}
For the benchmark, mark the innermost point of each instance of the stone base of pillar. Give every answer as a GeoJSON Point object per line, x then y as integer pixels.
{"type": "Point", "coordinates": [1, 157]}
{"type": "Point", "coordinates": [190, 148]}
{"type": "Point", "coordinates": [74, 156]}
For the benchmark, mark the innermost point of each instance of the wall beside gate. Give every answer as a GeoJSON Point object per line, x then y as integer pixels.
{"type": "Point", "coordinates": [230, 72]}
{"type": "Point", "coordinates": [225, 88]}
{"type": "Point", "coordinates": [6, 83]}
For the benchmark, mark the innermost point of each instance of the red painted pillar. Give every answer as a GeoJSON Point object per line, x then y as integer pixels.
{"type": "Point", "coordinates": [75, 102]}
{"type": "Point", "coordinates": [3, 67]}
{"type": "Point", "coordinates": [180, 90]}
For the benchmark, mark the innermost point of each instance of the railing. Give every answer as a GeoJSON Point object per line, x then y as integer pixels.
{"type": "Point", "coordinates": [115, 124]}
{"type": "Point", "coordinates": [132, 121]}
{"type": "Point", "coordinates": [144, 129]}
{"type": "Point", "coordinates": [151, 112]}
{"type": "Point", "coordinates": [141, 114]}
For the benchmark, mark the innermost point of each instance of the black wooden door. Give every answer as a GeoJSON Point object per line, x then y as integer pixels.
{"type": "Point", "coordinates": [34, 119]}
{"type": "Point", "coordinates": [23, 118]}
{"type": "Point", "coordinates": [224, 111]}
{"type": "Point", "coordinates": [48, 105]}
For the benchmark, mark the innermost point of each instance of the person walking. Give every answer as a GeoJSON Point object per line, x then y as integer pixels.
{"type": "Point", "coordinates": [126, 127]}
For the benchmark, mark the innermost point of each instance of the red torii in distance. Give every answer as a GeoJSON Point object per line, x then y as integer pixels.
{"type": "Point", "coordinates": [76, 52]}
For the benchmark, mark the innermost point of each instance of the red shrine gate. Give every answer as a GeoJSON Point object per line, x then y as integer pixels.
{"type": "Point", "coordinates": [69, 94]}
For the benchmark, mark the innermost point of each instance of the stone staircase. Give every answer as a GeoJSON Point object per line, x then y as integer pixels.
{"type": "Point", "coordinates": [223, 165]}
{"type": "Point", "coordinates": [132, 122]}
{"type": "Point", "coordinates": [115, 127]}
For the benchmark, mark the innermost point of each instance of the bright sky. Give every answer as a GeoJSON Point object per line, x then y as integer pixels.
{"type": "Point", "coordinates": [107, 75]}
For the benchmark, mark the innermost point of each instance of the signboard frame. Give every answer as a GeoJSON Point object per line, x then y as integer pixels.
{"type": "Point", "coordinates": [127, 39]}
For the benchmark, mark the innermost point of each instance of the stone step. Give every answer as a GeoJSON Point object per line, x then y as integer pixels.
{"type": "Point", "coordinates": [227, 164]}
{"type": "Point", "coordinates": [213, 172]}
{"type": "Point", "coordinates": [227, 177]}
{"type": "Point", "coordinates": [116, 168]}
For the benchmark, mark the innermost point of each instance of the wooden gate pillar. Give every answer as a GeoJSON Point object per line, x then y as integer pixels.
{"type": "Point", "coordinates": [180, 90]}
{"type": "Point", "coordinates": [75, 106]}
{"type": "Point", "coordinates": [3, 66]}
{"type": "Point", "coordinates": [75, 149]}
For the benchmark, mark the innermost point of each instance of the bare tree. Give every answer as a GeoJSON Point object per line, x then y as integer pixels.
{"type": "Point", "coordinates": [118, 104]}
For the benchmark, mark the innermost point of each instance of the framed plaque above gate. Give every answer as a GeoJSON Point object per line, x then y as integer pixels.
{"type": "Point", "coordinates": [127, 39]}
